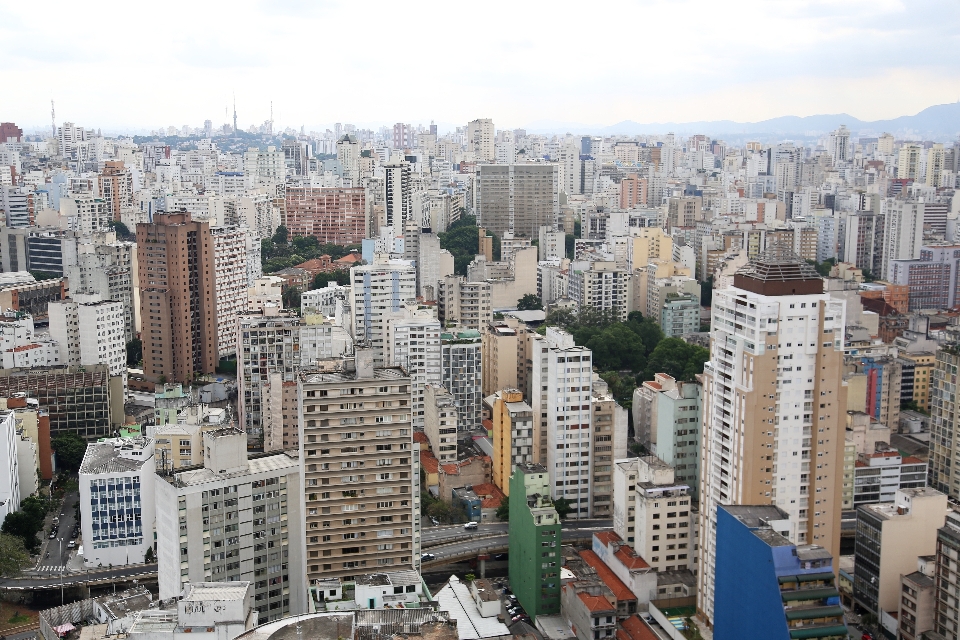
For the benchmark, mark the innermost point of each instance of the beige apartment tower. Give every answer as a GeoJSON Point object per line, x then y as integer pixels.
{"type": "Point", "coordinates": [360, 481]}
{"type": "Point", "coordinates": [178, 301]}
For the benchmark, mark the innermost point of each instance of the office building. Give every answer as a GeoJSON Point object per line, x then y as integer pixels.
{"type": "Point", "coordinates": [117, 501]}
{"type": "Point", "coordinates": [890, 537]}
{"type": "Point", "coordinates": [90, 330]}
{"type": "Point", "coordinates": [768, 586]}
{"type": "Point", "coordinates": [513, 435]}
{"type": "Point", "coordinates": [268, 356]}
{"type": "Point", "coordinates": [377, 290]}
{"type": "Point", "coordinates": [247, 512]}
{"type": "Point", "coordinates": [933, 278]}
{"type": "Point", "coordinates": [178, 303]}
{"type": "Point", "coordinates": [440, 419]}
{"type": "Point", "coordinates": [462, 371]}
{"type": "Point", "coordinates": [878, 475]}
{"type": "Point", "coordinates": [562, 385]}
{"type": "Point", "coordinates": [519, 198]}
{"type": "Point", "coordinates": [361, 474]}
{"type": "Point", "coordinates": [774, 332]}
{"type": "Point", "coordinates": [84, 400]}
{"type": "Point", "coordinates": [331, 215]}
{"type": "Point", "coordinates": [535, 559]}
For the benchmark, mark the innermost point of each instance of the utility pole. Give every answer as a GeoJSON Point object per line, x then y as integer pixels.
{"type": "Point", "coordinates": [60, 540]}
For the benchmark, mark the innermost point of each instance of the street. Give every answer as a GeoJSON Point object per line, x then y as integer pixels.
{"type": "Point", "coordinates": [54, 554]}
{"type": "Point", "coordinates": [445, 533]}
{"type": "Point", "coordinates": [497, 542]}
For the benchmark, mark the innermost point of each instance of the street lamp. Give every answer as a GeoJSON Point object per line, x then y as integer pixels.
{"type": "Point", "coordinates": [60, 540]}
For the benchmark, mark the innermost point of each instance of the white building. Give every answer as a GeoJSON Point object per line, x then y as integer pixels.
{"type": "Point", "coordinates": [902, 232]}
{"type": "Point", "coordinates": [463, 375]}
{"type": "Point", "coordinates": [230, 270]}
{"type": "Point", "coordinates": [21, 348]}
{"type": "Point", "coordinates": [205, 610]}
{"type": "Point", "coordinates": [440, 422]}
{"type": "Point", "coordinates": [377, 290]}
{"type": "Point", "coordinates": [248, 513]}
{"type": "Point", "coordinates": [414, 344]}
{"type": "Point", "coordinates": [117, 501]}
{"type": "Point", "coordinates": [88, 213]}
{"type": "Point", "coordinates": [326, 301]}
{"type": "Point", "coordinates": [10, 488]}
{"type": "Point", "coordinates": [563, 387]}
{"type": "Point", "coordinates": [90, 330]}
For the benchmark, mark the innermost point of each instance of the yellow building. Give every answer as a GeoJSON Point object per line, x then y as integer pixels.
{"type": "Point", "coordinates": [922, 376]}
{"type": "Point", "coordinates": [650, 244]}
{"type": "Point", "coordinates": [512, 421]}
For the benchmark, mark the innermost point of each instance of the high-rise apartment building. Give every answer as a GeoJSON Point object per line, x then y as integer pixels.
{"type": "Point", "coordinates": [481, 139]}
{"type": "Point", "coordinates": [230, 283]}
{"type": "Point", "coordinates": [89, 213]}
{"type": "Point", "coordinates": [178, 307]}
{"type": "Point", "coordinates": [519, 198]}
{"type": "Point", "coordinates": [467, 304]}
{"type": "Point", "coordinates": [609, 443]}
{"type": "Point", "coordinates": [331, 215]}
{"type": "Point", "coordinates": [90, 331]}
{"type": "Point", "coordinates": [561, 390]}
{"type": "Point", "coordinates": [377, 291]}
{"type": "Point", "coordinates": [116, 188]}
{"type": "Point", "coordinates": [348, 155]}
{"type": "Point", "coordinates": [535, 559]}
{"type": "Point", "coordinates": [601, 285]}
{"type": "Point", "coordinates": [413, 342]}
{"type": "Point", "coordinates": [440, 420]}
{"type": "Point", "coordinates": [946, 617]}
{"type": "Point", "coordinates": [945, 423]}
{"type": "Point", "coordinates": [398, 193]}
{"type": "Point", "coordinates": [933, 278]}
{"type": "Point", "coordinates": [463, 374]}
{"type": "Point", "coordinates": [268, 355]}
{"type": "Point", "coordinates": [247, 512]}
{"type": "Point", "coordinates": [513, 435]}
{"type": "Point", "coordinates": [773, 405]}
{"type": "Point", "coordinates": [505, 357]}
{"type": "Point", "coordinates": [902, 233]}
{"type": "Point", "coordinates": [362, 502]}
{"type": "Point", "coordinates": [909, 162]}
{"type": "Point", "coordinates": [108, 268]}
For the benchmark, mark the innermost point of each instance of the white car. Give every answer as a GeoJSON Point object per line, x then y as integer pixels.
{"type": "Point", "coordinates": [470, 525]}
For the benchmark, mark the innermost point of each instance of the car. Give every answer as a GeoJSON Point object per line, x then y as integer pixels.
{"type": "Point", "coordinates": [515, 611]}
{"type": "Point", "coordinates": [470, 525]}
{"type": "Point", "coordinates": [520, 618]}
{"type": "Point", "coordinates": [501, 556]}
{"type": "Point", "coordinates": [53, 534]}
{"type": "Point", "coordinates": [427, 557]}
{"type": "Point", "coordinates": [435, 522]}
{"type": "Point", "coordinates": [866, 636]}
{"type": "Point", "coordinates": [71, 544]}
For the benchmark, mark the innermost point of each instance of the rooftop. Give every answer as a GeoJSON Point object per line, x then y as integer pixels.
{"type": "Point", "coordinates": [609, 578]}
{"type": "Point", "coordinates": [116, 456]}
{"type": "Point", "coordinates": [269, 462]}
{"type": "Point", "coordinates": [754, 516]}
{"type": "Point", "coordinates": [207, 591]}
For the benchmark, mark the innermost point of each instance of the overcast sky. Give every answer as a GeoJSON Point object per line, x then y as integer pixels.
{"type": "Point", "coordinates": [125, 65]}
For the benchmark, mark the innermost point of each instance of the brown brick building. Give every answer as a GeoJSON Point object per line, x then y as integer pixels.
{"type": "Point", "coordinates": [336, 216]}
{"type": "Point", "coordinates": [175, 257]}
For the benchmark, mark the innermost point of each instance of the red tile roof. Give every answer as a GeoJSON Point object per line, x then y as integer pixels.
{"type": "Point", "coordinates": [420, 436]}
{"type": "Point", "coordinates": [489, 494]}
{"type": "Point", "coordinates": [606, 537]}
{"type": "Point", "coordinates": [488, 424]}
{"type": "Point", "coordinates": [630, 559]}
{"type": "Point", "coordinates": [429, 462]}
{"type": "Point", "coordinates": [912, 460]}
{"type": "Point", "coordinates": [609, 578]}
{"type": "Point", "coordinates": [634, 628]}
{"type": "Point", "coordinates": [596, 604]}
{"type": "Point", "coordinates": [453, 468]}
{"type": "Point", "coordinates": [349, 258]}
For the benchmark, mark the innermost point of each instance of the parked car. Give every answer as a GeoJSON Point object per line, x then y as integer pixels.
{"type": "Point", "coordinates": [501, 556]}
{"type": "Point", "coordinates": [71, 544]}
{"type": "Point", "coordinates": [470, 525]}
{"type": "Point", "coordinates": [435, 522]}
{"type": "Point", "coordinates": [427, 557]}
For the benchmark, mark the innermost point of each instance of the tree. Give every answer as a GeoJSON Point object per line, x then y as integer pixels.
{"type": "Point", "coordinates": [291, 298]}
{"type": "Point", "coordinates": [562, 505]}
{"type": "Point", "coordinates": [148, 557]}
{"type": "Point", "coordinates": [440, 510]}
{"type": "Point", "coordinates": [13, 556]}
{"type": "Point", "coordinates": [529, 302]}
{"type": "Point", "coordinates": [122, 231]}
{"type": "Point", "coordinates": [23, 526]}
{"type": "Point", "coordinates": [134, 352]}
{"type": "Point", "coordinates": [676, 358]}
{"type": "Point", "coordinates": [281, 236]}
{"type": "Point", "coordinates": [70, 448]}
{"type": "Point", "coordinates": [503, 511]}
{"type": "Point", "coordinates": [339, 276]}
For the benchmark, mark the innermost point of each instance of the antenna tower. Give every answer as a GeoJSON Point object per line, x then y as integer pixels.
{"type": "Point", "coordinates": [53, 120]}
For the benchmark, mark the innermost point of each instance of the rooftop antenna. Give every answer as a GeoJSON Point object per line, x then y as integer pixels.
{"type": "Point", "coordinates": [234, 114]}
{"type": "Point", "coordinates": [53, 120]}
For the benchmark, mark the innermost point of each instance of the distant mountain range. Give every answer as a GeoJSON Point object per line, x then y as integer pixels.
{"type": "Point", "coordinates": [939, 122]}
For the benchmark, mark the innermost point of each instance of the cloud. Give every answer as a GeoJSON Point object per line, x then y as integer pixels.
{"type": "Point", "coordinates": [148, 65]}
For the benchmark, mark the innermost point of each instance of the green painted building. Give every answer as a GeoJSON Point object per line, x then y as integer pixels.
{"type": "Point", "coordinates": [534, 541]}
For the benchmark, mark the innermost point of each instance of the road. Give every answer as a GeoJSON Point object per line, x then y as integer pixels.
{"type": "Point", "coordinates": [55, 553]}
{"type": "Point", "coordinates": [53, 581]}
{"type": "Point", "coordinates": [432, 536]}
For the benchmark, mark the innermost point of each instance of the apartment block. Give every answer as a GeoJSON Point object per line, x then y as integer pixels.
{"type": "Point", "coordinates": [513, 435]}
{"type": "Point", "coordinates": [331, 215]}
{"type": "Point", "coordinates": [230, 283]}
{"type": "Point", "coordinates": [601, 285]}
{"type": "Point", "coordinates": [462, 370]}
{"type": "Point", "coordinates": [665, 526]}
{"type": "Point", "coordinates": [440, 422]}
{"type": "Point", "coordinates": [918, 602]}
{"type": "Point", "coordinates": [535, 543]}
{"type": "Point", "coordinates": [414, 344]}
{"type": "Point", "coordinates": [362, 502]}
{"type": "Point", "coordinates": [102, 337]}
{"type": "Point", "coordinates": [268, 355]}
{"type": "Point", "coordinates": [609, 443]}
{"type": "Point", "coordinates": [247, 513]}
{"type": "Point", "coordinates": [933, 278]}
{"type": "Point", "coordinates": [116, 188]}
{"type": "Point", "coordinates": [774, 403]}
{"type": "Point", "coordinates": [562, 386]}
{"type": "Point", "coordinates": [947, 617]}
{"type": "Point", "coordinates": [108, 268]}
{"type": "Point", "coordinates": [481, 139]}
{"type": "Point", "coordinates": [178, 299]}
{"type": "Point", "coordinates": [680, 314]}
{"type": "Point", "coordinates": [945, 423]}
{"type": "Point", "coordinates": [519, 198]}
{"type": "Point", "coordinates": [377, 290]}
{"type": "Point", "coordinates": [464, 304]}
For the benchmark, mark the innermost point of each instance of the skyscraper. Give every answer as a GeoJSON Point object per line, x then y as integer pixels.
{"type": "Point", "coordinates": [481, 139]}
{"type": "Point", "coordinates": [175, 257]}
{"type": "Point", "coordinates": [902, 232]}
{"type": "Point", "coordinates": [774, 405]}
{"type": "Point", "coordinates": [397, 194]}
{"type": "Point", "coordinates": [519, 198]}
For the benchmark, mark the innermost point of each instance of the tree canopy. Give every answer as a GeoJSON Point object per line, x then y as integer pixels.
{"type": "Point", "coordinates": [616, 346]}
{"type": "Point", "coordinates": [677, 358]}
{"type": "Point", "coordinates": [14, 557]}
{"type": "Point", "coordinates": [69, 448]}
{"type": "Point", "coordinates": [281, 252]}
{"type": "Point", "coordinates": [529, 302]}
{"type": "Point", "coordinates": [462, 240]}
